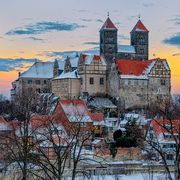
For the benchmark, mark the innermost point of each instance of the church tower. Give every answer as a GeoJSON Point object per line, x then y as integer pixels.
{"type": "Point", "coordinates": [56, 69]}
{"type": "Point", "coordinates": [67, 66]}
{"type": "Point", "coordinates": [140, 40]}
{"type": "Point", "coordinates": [108, 41]}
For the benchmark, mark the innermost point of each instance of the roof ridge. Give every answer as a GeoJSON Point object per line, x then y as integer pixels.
{"type": "Point", "coordinates": [108, 24]}
{"type": "Point", "coordinates": [139, 27]}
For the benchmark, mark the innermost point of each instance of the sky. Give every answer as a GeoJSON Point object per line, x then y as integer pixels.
{"type": "Point", "coordinates": [42, 30]}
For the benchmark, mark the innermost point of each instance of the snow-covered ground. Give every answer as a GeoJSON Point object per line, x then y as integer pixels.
{"type": "Point", "coordinates": [126, 177]}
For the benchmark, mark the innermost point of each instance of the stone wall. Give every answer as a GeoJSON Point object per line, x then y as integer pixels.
{"type": "Point", "coordinates": [68, 88]}
{"type": "Point", "coordinates": [41, 85]}
{"type": "Point", "coordinates": [95, 72]}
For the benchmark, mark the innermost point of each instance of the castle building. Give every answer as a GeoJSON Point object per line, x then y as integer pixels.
{"type": "Point", "coordinates": [139, 83]}
{"type": "Point", "coordinates": [92, 70]}
{"type": "Point", "coordinates": [123, 72]}
{"type": "Point", "coordinates": [38, 78]}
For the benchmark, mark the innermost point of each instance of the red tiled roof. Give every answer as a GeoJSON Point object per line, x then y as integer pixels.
{"type": "Point", "coordinates": [159, 126]}
{"type": "Point", "coordinates": [108, 24]}
{"type": "Point", "coordinates": [93, 57]}
{"type": "Point", "coordinates": [96, 57]}
{"type": "Point", "coordinates": [139, 27]}
{"type": "Point", "coordinates": [40, 121]}
{"type": "Point", "coordinates": [132, 67]}
{"type": "Point", "coordinates": [97, 116]}
{"type": "Point", "coordinates": [2, 120]}
{"type": "Point", "coordinates": [72, 107]}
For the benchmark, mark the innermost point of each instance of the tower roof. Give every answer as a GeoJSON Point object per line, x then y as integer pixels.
{"type": "Point", "coordinates": [108, 25]}
{"type": "Point", "coordinates": [139, 27]}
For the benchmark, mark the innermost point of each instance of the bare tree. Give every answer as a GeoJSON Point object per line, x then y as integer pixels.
{"type": "Point", "coordinates": [60, 145]}
{"type": "Point", "coordinates": [19, 144]}
{"type": "Point", "coordinates": [169, 127]}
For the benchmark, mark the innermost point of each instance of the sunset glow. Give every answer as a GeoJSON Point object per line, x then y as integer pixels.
{"type": "Point", "coordinates": [34, 31]}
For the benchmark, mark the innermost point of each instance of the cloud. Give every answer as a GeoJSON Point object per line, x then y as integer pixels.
{"type": "Point", "coordinates": [132, 17]}
{"type": "Point", "coordinates": [150, 4]}
{"type": "Point", "coordinates": [43, 27]}
{"type": "Point", "coordinates": [36, 39]}
{"type": "Point", "coordinates": [176, 54]}
{"type": "Point", "coordinates": [123, 37]}
{"type": "Point", "coordinates": [176, 20]}
{"type": "Point", "coordinates": [58, 54]}
{"type": "Point", "coordinates": [82, 10]}
{"type": "Point", "coordinates": [86, 20]}
{"type": "Point", "coordinates": [174, 40]}
{"type": "Point", "coordinates": [64, 54]}
{"type": "Point", "coordinates": [99, 20]}
{"type": "Point", "coordinates": [91, 43]}
{"type": "Point", "coordinates": [8, 64]}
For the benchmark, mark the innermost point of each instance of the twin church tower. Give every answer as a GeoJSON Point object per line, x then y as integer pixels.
{"type": "Point", "coordinates": [139, 42]}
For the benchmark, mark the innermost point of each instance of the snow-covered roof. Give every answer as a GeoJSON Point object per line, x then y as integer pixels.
{"type": "Point", "coordinates": [89, 58]}
{"type": "Point", "coordinates": [45, 69]}
{"type": "Point", "coordinates": [99, 102]}
{"type": "Point", "coordinates": [134, 69]}
{"type": "Point", "coordinates": [126, 49]}
{"type": "Point", "coordinates": [3, 124]}
{"type": "Point", "coordinates": [39, 70]}
{"type": "Point", "coordinates": [69, 75]}
{"type": "Point", "coordinates": [96, 141]}
{"type": "Point", "coordinates": [166, 65]}
{"type": "Point", "coordinates": [76, 110]}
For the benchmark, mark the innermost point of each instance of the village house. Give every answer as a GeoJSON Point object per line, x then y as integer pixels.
{"type": "Point", "coordinates": [163, 135]}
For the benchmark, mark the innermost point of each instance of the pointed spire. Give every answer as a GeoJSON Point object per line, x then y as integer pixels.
{"type": "Point", "coordinates": [56, 68]}
{"type": "Point", "coordinates": [139, 16]}
{"type": "Point", "coordinates": [67, 66]}
{"type": "Point", "coordinates": [108, 24]}
{"type": "Point", "coordinates": [139, 26]}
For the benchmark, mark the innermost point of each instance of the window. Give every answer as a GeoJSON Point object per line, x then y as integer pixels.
{"type": "Point", "coordinates": [101, 81]}
{"type": "Point", "coordinates": [151, 136]}
{"type": "Point", "coordinates": [29, 81]}
{"type": "Point", "coordinates": [159, 66]}
{"type": "Point", "coordinates": [169, 157]}
{"type": "Point", "coordinates": [38, 90]}
{"type": "Point", "coordinates": [81, 81]}
{"type": "Point", "coordinates": [141, 51]}
{"type": "Point", "coordinates": [91, 80]}
{"type": "Point", "coordinates": [163, 82]}
{"type": "Point", "coordinates": [37, 81]}
{"type": "Point", "coordinates": [45, 82]}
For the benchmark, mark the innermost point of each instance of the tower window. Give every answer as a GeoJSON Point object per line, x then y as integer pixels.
{"type": "Point", "coordinates": [91, 80]}
{"type": "Point", "coordinates": [141, 51]}
{"type": "Point", "coordinates": [101, 81]}
{"type": "Point", "coordinates": [81, 81]}
{"type": "Point", "coordinates": [29, 81]}
{"type": "Point", "coordinates": [163, 82]}
{"type": "Point", "coordinates": [37, 81]}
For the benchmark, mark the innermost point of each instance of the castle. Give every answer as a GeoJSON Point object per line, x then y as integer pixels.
{"type": "Point", "coordinates": [123, 72]}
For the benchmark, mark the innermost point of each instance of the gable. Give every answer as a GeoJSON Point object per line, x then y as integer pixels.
{"type": "Point", "coordinates": [160, 69]}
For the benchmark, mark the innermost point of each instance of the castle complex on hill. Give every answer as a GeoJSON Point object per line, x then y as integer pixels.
{"type": "Point", "coordinates": [123, 72]}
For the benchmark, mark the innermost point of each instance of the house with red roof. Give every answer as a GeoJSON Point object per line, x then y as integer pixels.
{"type": "Point", "coordinates": [140, 83]}
{"type": "Point", "coordinates": [163, 135]}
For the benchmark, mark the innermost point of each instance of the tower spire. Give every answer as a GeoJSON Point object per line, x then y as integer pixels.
{"type": "Point", "coordinates": [108, 14]}
{"type": "Point", "coordinates": [139, 16]}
